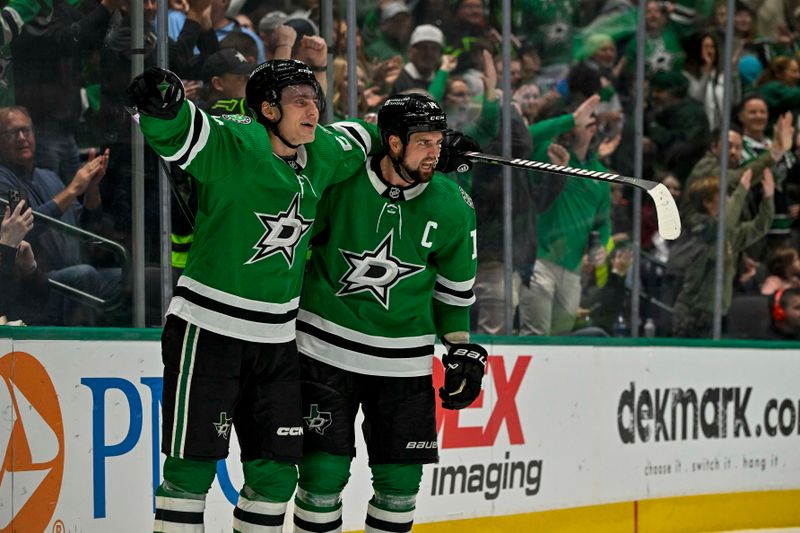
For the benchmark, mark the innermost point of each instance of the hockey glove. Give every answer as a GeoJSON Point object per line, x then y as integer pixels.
{"type": "Point", "coordinates": [156, 92]}
{"type": "Point", "coordinates": [464, 367]}
{"type": "Point", "coordinates": [451, 157]}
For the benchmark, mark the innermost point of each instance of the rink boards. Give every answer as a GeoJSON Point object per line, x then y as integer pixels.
{"type": "Point", "coordinates": [624, 436]}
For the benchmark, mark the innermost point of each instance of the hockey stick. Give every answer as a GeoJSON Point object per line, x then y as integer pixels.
{"type": "Point", "coordinates": [669, 221]}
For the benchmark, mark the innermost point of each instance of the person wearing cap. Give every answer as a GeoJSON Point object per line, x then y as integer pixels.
{"type": "Point", "coordinates": [424, 56]}
{"type": "Point", "coordinates": [395, 30]}
{"type": "Point", "coordinates": [225, 75]}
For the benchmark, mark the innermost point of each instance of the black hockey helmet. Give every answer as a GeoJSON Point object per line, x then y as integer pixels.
{"type": "Point", "coordinates": [268, 80]}
{"type": "Point", "coordinates": [405, 114]}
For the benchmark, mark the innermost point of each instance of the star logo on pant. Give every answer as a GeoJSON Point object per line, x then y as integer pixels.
{"type": "Point", "coordinates": [223, 427]}
{"type": "Point", "coordinates": [318, 420]}
{"type": "Point", "coordinates": [375, 271]}
{"type": "Point", "coordinates": [283, 233]}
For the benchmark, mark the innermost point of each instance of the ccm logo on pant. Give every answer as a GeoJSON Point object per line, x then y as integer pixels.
{"type": "Point", "coordinates": [290, 432]}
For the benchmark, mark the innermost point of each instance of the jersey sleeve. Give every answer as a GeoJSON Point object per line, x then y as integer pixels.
{"type": "Point", "coordinates": [364, 134]}
{"type": "Point", "coordinates": [205, 146]}
{"type": "Point", "coordinates": [358, 139]}
{"type": "Point", "coordinates": [457, 263]}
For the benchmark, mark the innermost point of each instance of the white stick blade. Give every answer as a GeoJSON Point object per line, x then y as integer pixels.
{"type": "Point", "coordinates": [669, 221]}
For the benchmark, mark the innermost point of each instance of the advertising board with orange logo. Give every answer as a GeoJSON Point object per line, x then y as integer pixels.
{"type": "Point", "coordinates": [556, 427]}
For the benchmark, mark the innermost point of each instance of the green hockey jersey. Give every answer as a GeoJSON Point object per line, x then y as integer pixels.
{"type": "Point", "coordinates": [254, 217]}
{"type": "Point", "coordinates": [390, 269]}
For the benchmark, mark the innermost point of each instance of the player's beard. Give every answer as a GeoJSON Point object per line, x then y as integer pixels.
{"type": "Point", "coordinates": [417, 175]}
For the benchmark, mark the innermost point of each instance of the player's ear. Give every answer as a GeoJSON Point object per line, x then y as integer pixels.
{"type": "Point", "coordinates": [271, 112]}
{"type": "Point", "coordinates": [395, 145]}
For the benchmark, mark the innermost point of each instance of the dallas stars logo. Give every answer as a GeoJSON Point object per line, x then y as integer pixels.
{"type": "Point", "coordinates": [283, 233]}
{"type": "Point", "coordinates": [223, 427]}
{"type": "Point", "coordinates": [375, 271]}
{"type": "Point", "coordinates": [318, 420]}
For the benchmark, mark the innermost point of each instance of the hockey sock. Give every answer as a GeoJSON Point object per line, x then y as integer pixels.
{"type": "Point", "coordinates": [317, 513]}
{"type": "Point", "coordinates": [269, 485]}
{"type": "Point", "coordinates": [391, 509]}
{"type": "Point", "coordinates": [318, 504]}
{"type": "Point", "coordinates": [181, 498]}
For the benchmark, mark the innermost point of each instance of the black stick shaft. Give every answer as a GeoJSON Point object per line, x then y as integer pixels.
{"type": "Point", "coordinates": [560, 169]}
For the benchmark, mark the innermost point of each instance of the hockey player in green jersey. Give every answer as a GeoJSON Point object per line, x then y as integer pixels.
{"type": "Point", "coordinates": [392, 266]}
{"type": "Point", "coordinates": [228, 346]}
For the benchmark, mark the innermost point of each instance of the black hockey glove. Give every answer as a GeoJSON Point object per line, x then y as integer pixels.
{"type": "Point", "coordinates": [464, 367]}
{"type": "Point", "coordinates": [454, 145]}
{"type": "Point", "coordinates": [156, 92]}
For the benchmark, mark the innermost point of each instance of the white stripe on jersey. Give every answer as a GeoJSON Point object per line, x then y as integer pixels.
{"type": "Point", "coordinates": [205, 129]}
{"type": "Point", "coordinates": [450, 299]}
{"type": "Point", "coordinates": [187, 144]}
{"type": "Point", "coordinates": [361, 363]}
{"type": "Point", "coordinates": [456, 285]}
{"type": "Point", "coordinates": [364, 141]}
{"type": "Point", "coordinates": [229, 326]}
{"type": "Point", "coordinates": [237, 301]}
{"type": "Point", "coordinates": [363, 338]}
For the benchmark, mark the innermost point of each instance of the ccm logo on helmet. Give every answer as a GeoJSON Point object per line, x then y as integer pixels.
{"type": "Point", "coordinates": [290, 432]}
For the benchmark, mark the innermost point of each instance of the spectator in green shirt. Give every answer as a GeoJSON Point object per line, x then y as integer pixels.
{"type": "Point", "coordinates": [548, 305]}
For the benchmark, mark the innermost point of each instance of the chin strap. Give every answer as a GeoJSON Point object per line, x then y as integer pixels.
{"type": "Point", "coordinates": [399, 169]}
{"type": "Point", "coordinates": [273, 127]}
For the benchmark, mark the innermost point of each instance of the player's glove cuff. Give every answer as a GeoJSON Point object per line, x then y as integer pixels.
{"type": "Point", "coordinates": [464, 367]}
{"type": "Point", "coordinates": [156, 92]}
{"type": "Point", "coordinates": [451, 158]}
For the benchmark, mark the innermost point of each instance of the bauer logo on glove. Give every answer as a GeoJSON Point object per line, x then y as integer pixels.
{"type": "Point", "coordinates": [464, 367]}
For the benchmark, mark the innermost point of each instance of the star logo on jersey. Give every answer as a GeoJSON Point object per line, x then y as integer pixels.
{"type": "Point", "coordinates": [223, 427]}
{"type": "Point", "coordinates": [375, 271]}
{"type": "Point", "coordinates": [283, 233]}
{"type": "Point", "coordinates": [318, 420]}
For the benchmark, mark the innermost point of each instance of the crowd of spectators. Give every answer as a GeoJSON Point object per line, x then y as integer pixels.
{"type": "Point", "coordinates": [65, 140]}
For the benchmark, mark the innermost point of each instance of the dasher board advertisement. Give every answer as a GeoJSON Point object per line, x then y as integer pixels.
{"type": "Point", "coordinates": [556, 427]}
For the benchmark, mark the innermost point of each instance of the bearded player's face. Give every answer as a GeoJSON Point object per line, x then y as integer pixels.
{"type": "Point", "coordinates": [421, 155]}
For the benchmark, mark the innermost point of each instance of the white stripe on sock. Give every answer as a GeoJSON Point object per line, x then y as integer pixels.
{"type": "Point", "coordinates": [390, 516]}
{"type": "Point", "coordinates": [316, 517]}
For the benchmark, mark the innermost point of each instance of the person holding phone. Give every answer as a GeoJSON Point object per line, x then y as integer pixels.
{"type": "Point", "coordinates": [78, 204]}
{"type": "Point", "coordinates": [18, 269]}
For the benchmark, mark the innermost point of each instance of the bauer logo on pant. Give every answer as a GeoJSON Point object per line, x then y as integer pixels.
{"type": "Point", "coordinates": [318, 420]}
